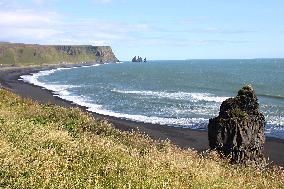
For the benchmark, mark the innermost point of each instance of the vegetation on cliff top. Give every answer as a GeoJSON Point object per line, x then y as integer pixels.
{"type": "Point", "coordinates": [13, 54]}
{"type": "Point", "coordinates": [47, 146]}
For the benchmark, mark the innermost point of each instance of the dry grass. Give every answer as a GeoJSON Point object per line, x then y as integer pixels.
{"type": "Point", "coordinates": [46, 146]}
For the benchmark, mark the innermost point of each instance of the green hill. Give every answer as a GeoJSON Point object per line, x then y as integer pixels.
{"type": "Point", "coordinates": [17, 54]}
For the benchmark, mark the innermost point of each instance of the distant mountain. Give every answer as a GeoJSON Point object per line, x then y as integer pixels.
{"type": "Point", "coordinates": [33, 54]}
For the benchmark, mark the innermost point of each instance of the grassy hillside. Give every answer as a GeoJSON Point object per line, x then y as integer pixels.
{"type": "Point", "coordinates": [25, 54]}
{"type": "Point", "coordinates": [46, 146]}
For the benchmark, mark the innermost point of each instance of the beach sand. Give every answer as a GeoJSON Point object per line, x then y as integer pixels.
{"type": "Point", "coordinates": [183, 137]}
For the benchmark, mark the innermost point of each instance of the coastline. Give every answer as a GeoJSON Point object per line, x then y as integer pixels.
{"type": "Point", "coordinates": [183, 137]}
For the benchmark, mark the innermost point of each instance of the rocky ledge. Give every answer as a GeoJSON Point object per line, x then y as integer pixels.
{"type": "Point", "coordinates": [238, 131]}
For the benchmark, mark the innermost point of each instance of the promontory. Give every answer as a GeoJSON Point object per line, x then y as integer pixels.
{"type": "Point", "coordinates": [15, 54]}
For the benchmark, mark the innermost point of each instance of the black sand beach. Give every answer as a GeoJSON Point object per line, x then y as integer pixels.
{"type": "Point", "coordinates": [185, 138]}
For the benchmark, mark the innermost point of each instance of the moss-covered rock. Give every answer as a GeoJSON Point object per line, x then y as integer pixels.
{"type": "Point", "coordinates": [238, 131]}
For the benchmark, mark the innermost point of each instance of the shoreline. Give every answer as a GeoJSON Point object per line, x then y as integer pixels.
{"type": "Point", "coordinates": [183, 137]}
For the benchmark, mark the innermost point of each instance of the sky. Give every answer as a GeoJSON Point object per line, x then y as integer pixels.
{"type": "Point", "coordinates": [156, 29]}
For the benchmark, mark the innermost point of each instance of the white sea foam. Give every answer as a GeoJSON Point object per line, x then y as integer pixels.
{"type": "Point", "coordinates": [194, 123]}
{"type": "Point", "coordinates": [55, 88]}
{"type": "Point", "coordinates": [275, 120]}
{"type": "Point", "coordinates": [273, 130]}
{"type": "Point", "coordinates": [182, 122]}
{"type": "Point", "coordinates": [194, 97]}
{"type": "Point", "coordinates": [204, 111]}
{"type": "Point", "coordinates": [88, 66]}
{"type": "Point", "coordinates": [33, 78]}
{"type": "Point", "coordinates": [61, 90]}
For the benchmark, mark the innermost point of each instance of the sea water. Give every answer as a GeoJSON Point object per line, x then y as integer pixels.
{"type": "Point", "coordinates": [175, 93]}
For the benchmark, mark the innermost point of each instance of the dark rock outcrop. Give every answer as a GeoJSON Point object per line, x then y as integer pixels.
{"type": "Point", "coordinates": [134, 59]}
{"type": "Point", "coordinates": [238, 131]}
{"type": "Point", "coordinates": [138, 59]}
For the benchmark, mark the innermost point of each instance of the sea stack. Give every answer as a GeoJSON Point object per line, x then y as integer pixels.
{"type": "Point", "coordinates": [238, 131]}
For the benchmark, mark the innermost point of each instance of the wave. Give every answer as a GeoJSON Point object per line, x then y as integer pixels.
{"type": "Point", "coordinates": [271, 96]}
{"type": "Point", "coordinates": [193, 97]}
{"type": "Point", "coordinates": [56, 88]}
{"type": "Point", "coordinates": [32, 78]}
{"type": "Point", "coordinates": [194, 123]}
{"type": "Point", "coordinates": [272, 130]}
{"type": "Point", "coordinates": [88, 66]}
{"type": "Point", "coordinates": [275, 120]}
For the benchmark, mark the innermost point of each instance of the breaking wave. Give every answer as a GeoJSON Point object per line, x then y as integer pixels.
{"type": "Point", "coordinates": [193, 97]}
{"type": "Point", "coordinates": [55, 88]}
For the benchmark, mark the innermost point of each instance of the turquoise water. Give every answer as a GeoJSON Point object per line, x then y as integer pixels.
{"type": "Point", "coordinates": [175, 93]}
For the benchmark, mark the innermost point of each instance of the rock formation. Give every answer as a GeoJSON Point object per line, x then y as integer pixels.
{"type": "Point", "coordinates": [134, 59]}
{"type": "Point", "coordinates": [25, 54]}
{"type": "Point", "coordinates": [138, 59]}
{"type": "Point", "coordinates": [238, 131]}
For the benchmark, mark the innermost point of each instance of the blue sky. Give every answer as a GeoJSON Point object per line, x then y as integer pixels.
{"type": "Point", "coordinates": [158, 29]}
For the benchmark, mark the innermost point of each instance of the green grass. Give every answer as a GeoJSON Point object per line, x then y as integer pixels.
{"type": "Point", "coordinates": [47, 146]}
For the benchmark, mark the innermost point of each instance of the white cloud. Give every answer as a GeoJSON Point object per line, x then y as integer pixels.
{"type": "Point", "coordinates": [103, 32]}
{"type": "Point", "coordinates": [99, 42]}
{"type": "Point", "coordinates": [6, 4]}
{"type": "Point", "coordinates": [43, 2]}
{"type": "Point", "coordinates": [190, 21]}
{"type": "Point", "coordinates": [24, 18]}
{"type": "Point", "coordinates": [219, 42]}
{"type": "Point", "coordinates": [103, 1]}
{"type": "Point", "coordinates": [49, 27]}
{"type": "Point", "coordinates": [224, 31]}
{"type": "Point", "coordinates": [27, 25]}
{"type": "Point", "coordinates": [29, 33]}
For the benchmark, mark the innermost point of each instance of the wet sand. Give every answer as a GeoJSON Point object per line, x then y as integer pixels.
{"type": "Point", "coordinates": [183, 137]}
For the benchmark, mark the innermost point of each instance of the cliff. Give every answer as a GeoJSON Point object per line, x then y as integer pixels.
{"type": "Point", "coordinates": [30, 54]}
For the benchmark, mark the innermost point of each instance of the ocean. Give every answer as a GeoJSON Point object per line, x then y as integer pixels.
{"type": "Point", "coordinates": [182, 93]}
